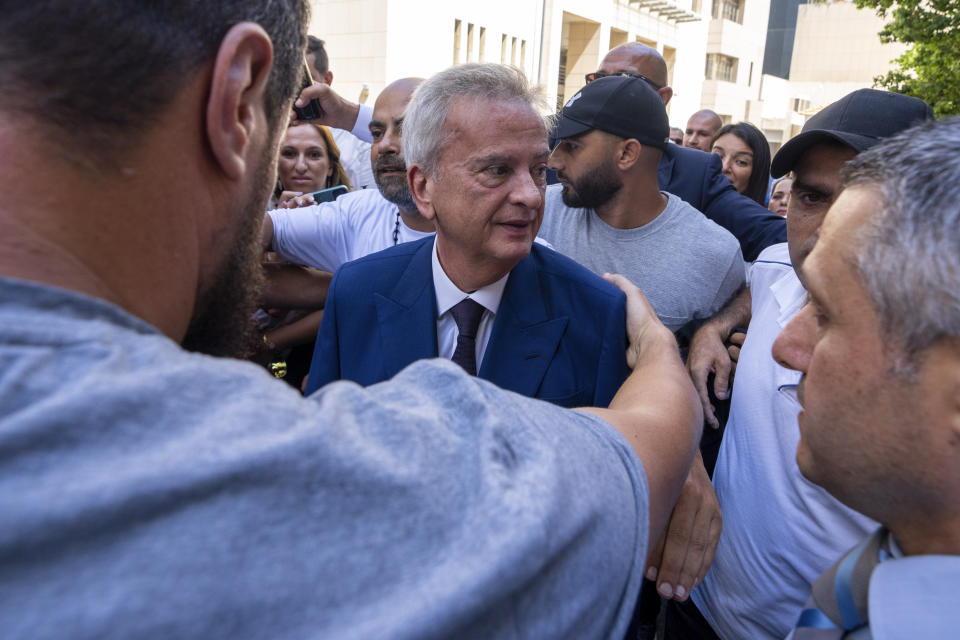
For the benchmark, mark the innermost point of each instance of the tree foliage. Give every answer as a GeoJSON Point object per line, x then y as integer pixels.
{"type": "Point", "coordinates": [930, 69]}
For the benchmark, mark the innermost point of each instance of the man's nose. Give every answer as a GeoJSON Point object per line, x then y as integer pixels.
{"type": "Point", "coordinates": [793, 346]}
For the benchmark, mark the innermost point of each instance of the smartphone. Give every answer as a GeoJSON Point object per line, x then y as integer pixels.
{"type": "Point", "coordinates": [312, 110]}
{"type": "Point", "coordinates": [328, 195]}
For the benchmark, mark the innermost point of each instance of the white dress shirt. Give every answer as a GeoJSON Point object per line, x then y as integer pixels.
{"type": "Point", "coordinates": [448, 295]}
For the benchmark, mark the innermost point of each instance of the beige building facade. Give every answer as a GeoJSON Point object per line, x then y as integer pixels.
{"type": "Point", "coordinates": [836, 50]}
{"type": "Point", "coordinates": [713, 48]}
{"type": "Point", "coordinates": [556, 42]}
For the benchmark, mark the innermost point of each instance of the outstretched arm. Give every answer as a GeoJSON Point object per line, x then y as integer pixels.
{"type": "Point", "coordinates": [656, 409]}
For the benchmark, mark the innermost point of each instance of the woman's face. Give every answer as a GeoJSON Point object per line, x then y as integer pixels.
{"type": "Point", "coordinates": [304, 164]}
{"type": "Point", "coordinates": [737, 159]}
{"type": "Point", "coordinates": [780, 197]}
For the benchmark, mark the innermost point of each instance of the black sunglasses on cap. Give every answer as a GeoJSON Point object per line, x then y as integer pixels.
{"type": "Point", "coordinates": [596, 75]}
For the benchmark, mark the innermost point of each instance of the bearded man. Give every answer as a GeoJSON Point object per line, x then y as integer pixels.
{"type": "Point", "coordinates": [609, 215]}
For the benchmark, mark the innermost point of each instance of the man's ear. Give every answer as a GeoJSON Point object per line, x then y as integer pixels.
{"type": "Point", "coordinates": [420, 185]}
{"type": "Point", "coordinates": [665, 93]}
{"type": "Point", "coordinates": [328, 78]}
{"type": "Point", "coordinates": [237, 89]}
{"type": "Point", "coordinates": [627, 154]}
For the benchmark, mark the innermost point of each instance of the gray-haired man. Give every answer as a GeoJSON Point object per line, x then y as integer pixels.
{"type": "Point", "coordinates": [878, 344]}
{"type": "Point", "coordinates": [780, 532]}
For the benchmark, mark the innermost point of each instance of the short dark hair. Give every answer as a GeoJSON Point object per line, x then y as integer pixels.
{"type": "Point", "coordinates": [760, 174]}
{"type": "Point", "coordinates": [318, 48]}
{"type": "Point", "coordinates": [94, 72]}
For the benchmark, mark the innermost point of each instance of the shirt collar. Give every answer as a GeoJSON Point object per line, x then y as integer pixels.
{"type": "Point", "coordinates": [790, 296]}
{"type": "Point", "coordinates": [448, 294]}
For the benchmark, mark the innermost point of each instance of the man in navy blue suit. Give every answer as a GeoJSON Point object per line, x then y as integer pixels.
{"type": "Point", "coordinates": [529, 320]}
{"type": "Point", "coordinates": [693, 175]}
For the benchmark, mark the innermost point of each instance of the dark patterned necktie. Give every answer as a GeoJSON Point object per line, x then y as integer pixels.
{"type": "Point", "coordinates": [466, 314]}
{"type": "Point", "coordinates": [838, 603]}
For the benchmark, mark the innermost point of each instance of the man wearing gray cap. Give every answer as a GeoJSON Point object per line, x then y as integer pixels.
{"type": "Point", "coordinates": [780, 531]}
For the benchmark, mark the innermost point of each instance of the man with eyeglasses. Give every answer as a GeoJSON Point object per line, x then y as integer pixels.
{"type": "Point", "coordinates": [693, 176]}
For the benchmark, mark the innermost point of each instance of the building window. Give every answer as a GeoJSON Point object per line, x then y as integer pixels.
{"type": "Point", "coordinates": [728, 10]}
{"type": "Point", "coordinates": [721, 67]}
{"type": "Point", "coordinates": [456, 42]}
{"type": "Point", "coordinates": [799, 104]}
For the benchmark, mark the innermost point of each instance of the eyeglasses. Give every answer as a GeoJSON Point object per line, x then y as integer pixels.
{"type": "Point", "coordinates": [596, 75]}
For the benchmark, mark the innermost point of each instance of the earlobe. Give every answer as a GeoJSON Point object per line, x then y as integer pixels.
{"type": "Point", "coordinates": [235, 104]}
{"type": "Point", "coordinates": [420, 188]}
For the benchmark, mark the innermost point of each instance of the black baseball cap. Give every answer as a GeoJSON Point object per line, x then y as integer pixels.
{"type": "Point", "coordinates": [859, 120]}
{"type": "Point", "coordinates": [622, 105]}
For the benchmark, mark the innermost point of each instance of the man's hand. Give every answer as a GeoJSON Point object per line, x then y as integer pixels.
{"type": "Point", "coordinates": [337, 111]}
{"type": "Point", "coordinates": [734, 344]}
{"type": "Point", "coordinates": [708, 354]}
{"type": "Point", "coordinates": [684, 553]}
{"type": "Point", "coordinates": [294, 199]}
{"type": "Point", "coordinates": [641, 318]}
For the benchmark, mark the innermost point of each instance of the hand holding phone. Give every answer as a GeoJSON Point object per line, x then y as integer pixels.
{"type": "Point", "coordinates": [311, 110]}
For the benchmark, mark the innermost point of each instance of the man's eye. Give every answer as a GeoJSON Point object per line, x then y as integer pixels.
{"type": "Point", "coordinates": [376, 134]}
{"type": "Point", "coordinates": [497, 170]}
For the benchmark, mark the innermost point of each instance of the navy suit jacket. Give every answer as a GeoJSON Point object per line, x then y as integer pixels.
{"type": "Point", "coordinates": [696, 177]}
{"type": "Point", "coordinates": [559, 333]}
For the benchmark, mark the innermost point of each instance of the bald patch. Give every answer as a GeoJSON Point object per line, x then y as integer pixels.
{"type": "Point", "coordinates": [708, 117]}
{"type": "Point", "coordinates": [644, 60]}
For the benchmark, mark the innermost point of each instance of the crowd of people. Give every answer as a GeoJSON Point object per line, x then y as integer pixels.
{"type": "Point", "coordinates": [583, 376]}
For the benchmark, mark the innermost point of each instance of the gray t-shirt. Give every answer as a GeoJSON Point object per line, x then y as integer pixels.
{"type": "Point", "coordinates": [687, 265]}
{"type": "Point", "coordinates": [147, 492]}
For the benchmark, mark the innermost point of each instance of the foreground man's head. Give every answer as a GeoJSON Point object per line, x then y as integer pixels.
{"type": "Point", "coordinates": [879, 341]}
{"type": "Point", "coordinates": [162, 154]}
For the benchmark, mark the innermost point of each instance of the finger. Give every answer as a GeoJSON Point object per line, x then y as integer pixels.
{"type": "Point", "coordinates": [699, 377]}
{"type": "Point", "coordinates": [696, 559]}
{"type": "Point", "coordinates": [721, 378]}
{"type": "Point", "coordinates": [679, 532]}
{"type": "Point", "coordinates": [715, 528]}
{"type": "Point", "coordinates": [737, 338]}
{"type": "Point", "coordinates": [654, 559]}
{"type": "Point", "coordinates": [734, 352]}
{"type": "Point", "coordinates": [309, 93]}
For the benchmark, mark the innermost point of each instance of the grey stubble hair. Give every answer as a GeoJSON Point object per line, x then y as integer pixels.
{"type": "Point", "coordinates": [909, 254]}
{"type": "Point", "coordinates": [425, 116]}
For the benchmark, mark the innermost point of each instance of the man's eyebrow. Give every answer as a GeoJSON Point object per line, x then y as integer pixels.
{"type": "Point", "coordinates": [799, 185]}
{"type": "Point", "coordinates": [375, 123]}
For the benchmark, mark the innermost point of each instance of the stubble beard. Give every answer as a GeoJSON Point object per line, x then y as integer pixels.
{"type": "Point", "coordinates": [222, 323]}
{"type": "Point", "coordinates": [593, 189]}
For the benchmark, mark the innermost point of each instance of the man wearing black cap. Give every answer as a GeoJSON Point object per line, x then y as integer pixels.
{"type": "Point", "coordinates": [780, 531]}
{"type": "Point", "coordinates": [694, 176]}
{"type": "Point", "coordinates": [609, 214]}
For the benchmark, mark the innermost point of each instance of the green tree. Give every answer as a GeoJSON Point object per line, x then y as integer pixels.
{"type": "Point", "coordinates": [930, 69]}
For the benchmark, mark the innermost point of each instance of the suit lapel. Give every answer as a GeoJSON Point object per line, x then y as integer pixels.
{"type": "Point", "coordinates": [408, 315]}
{"type": "Point", "coordinates": [524, 338]}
